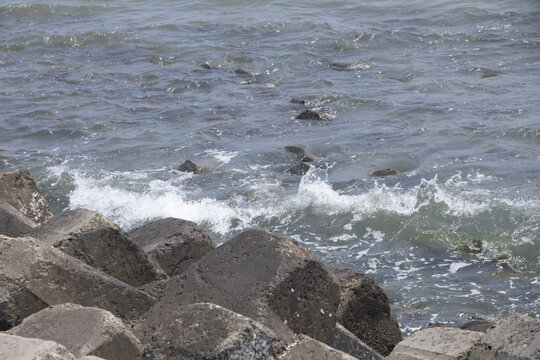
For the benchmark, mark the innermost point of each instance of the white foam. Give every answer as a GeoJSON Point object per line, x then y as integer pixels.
{"type": "Point", "coordinates": [457, 265]}
{"type": "Point", "coordinates": [224, 157]}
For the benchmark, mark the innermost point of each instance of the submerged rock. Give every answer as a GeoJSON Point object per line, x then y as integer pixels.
{"type": "Point", "coordinates": [268, 277]}
{"type": "Point", "coordinates": [12, 222]}
{"type": "Point", "coordinates": [20, 348]}
{"type": "Point", "coordinates": [211, 332]}
{"type": "Point", "coordinates": [436, 343]}
{"type": "Point", "coordinates": [516, 337]}
{"type": "Point", "coordinates": [19, 190]}
{"type": "Point", "coordinates": [340, 66]}
{"type": "Point", "coordinates": [305, 154]}
{"type": "Point", "coordinates": [83, 331]}
{"type": "Point", "coordinates": [300, 169]}
{"type": "Point", "coordinates": [55, 278]}
{"type": "Point", "coordinates": [242, 72]}
{"type": "Point", "coordinates": [364, 310]}
{"type": "Point", "coordinates": [90, 237]}
{"type": "Point", "coordinates": [312, 115]}
{"type": "Point", "coordinates": [190, 166]}
{"type": "Point", "coordinates": [385, 172]}
{"type": "Point", "coordinates": [298, 101]}
{"type": "Point", "coordinates": [478, 325]}
{"type": "Point", "coordinates": [173, 244]}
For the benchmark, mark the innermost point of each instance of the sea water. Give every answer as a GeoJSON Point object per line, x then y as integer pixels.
{"type": "Point", "coordinates": [103, 100]}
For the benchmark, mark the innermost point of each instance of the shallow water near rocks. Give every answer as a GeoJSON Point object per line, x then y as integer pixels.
{"type": "Point", "coordinates": [102, 100]}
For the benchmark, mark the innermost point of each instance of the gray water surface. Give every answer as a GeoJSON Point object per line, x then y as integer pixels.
{"type": "Point", "coordinates": [102, 100]}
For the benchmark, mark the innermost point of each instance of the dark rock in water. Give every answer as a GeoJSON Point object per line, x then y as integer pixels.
{"type": "Point", "coordinates": [479, 325]}
{"type": "Point", "coordinates": [300, 169]}
{"type": "Point", "coordinates": [436, 343]}
{"type": "Point", "coordinates": [55, 278]}
{"type": "Point", "coordinates": [90, 237]}
{"type": "Point", "coordinates": [19, 190]}
{"type": "Point", "coordinates": [364, 310]}
{"type": "Point", "coordinates": [312, 115]}
{"type": "Point", "coordinates": [340, 66]}
{"type": "Point", "coordinates": [190, 166]}
{"type": "Point", "coordinates": [82, 331]}
{"type": "Point", "coordinates": [173, 244]}
{"type": "Point", "coordinates": [306, 155]}
{"type": "Point", "coordinates": [207, 66]}
{"type": "Point", "coordinates": [268, 277]}
{"type": "Point", "coordinates": [307, 348]}
{"type": "Point", "coordinates": [345, 341]}
{"type": "Point", "coordinates": [20, 348]}
{"type": "Point", "coordinates": [12, 222]}
{"type": "Point", "coordinates": [298, 101]}
{"type": "Point", "coordinates": [385, 172]}
{"type": "Point", "coordinates": [16, 302]}
{"type": "Point", "coordinates": [516, 337]}
{"type": "Point", "coordinates": [211, 332]}
{"type": "Point", "coordinates": [242, 72]}
{"type": "Point", "coordinates": [473, 247]}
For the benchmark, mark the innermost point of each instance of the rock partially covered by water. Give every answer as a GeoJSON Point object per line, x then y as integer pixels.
{"type": "Point", "coordinates": [478, 325]}
{"type": "Point", "coordinates": [304, 154]}
{"type": "Point", "coordinates": [385, 172]}
{"type": "Point", "coordinates": [364, 310]}
{"type": "Point", "coordinates": [300, 169]}
{"type": "Point", "coordinates": [19, 190]}
{"type": "Point", "coordinates": [83, 331]}
{"type": "Point", "coordinates": [298, 101]}
{"type": "Point", "coordinates": [55, 278]}
{"type": "Point", "coordinates": [90, 237]}
{"type": "Point", "coordinates": [173, 244]}
{"type": "Point", "coordinates": [268, 277]}
{"type": "Point", "coordinates": [242, 72]}
{"type": "Point", "coordinates": [307, 348]}
{"type": "Point", "coordinates": [20, 348]}
{"type": "Point", "coordinates": [211, 332]}
{"type": "Point", "coordinates": [16, 302]}
{"type": "Point", "coordinates": [12, 222]}
{"type": "Point", "coordinates": [190, 166]}
{"type": "Point", "coordinates": [516, 337]}
{"type": "Point", "coordinates": [436, 343]}
{"type": "Point", "coordinates": [312, 115]}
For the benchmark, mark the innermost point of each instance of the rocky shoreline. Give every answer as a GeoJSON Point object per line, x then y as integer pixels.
{"type": "Point", "coordinates": [76, 286]}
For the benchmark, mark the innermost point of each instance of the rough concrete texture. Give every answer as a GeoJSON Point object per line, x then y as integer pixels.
{"type": "Point", "coordinates": [12, 222]}
{"type": "Point", "coordinates": [206, 331]}
{"type": "Point", "coordinates": [55, 278]}
{"type": "Point", "coordinates": [16, 302]}
{"type": "Point", "coordinates": [307, 348]}
{"type": "Point", "coordinates": [364, 310]}
{"type": "Point", "coordinates": [19, 190]}
{"type": "Point", "coordinates": [97, 241]}
{"type": "Point", "coordinates": [173, 244]}
{"type": "Point", "coordinates": [20, 348]}
{"type": "Point", "coordinates": [267, 277]}
{"type": "Point", "coordinates": [437, 343]}
{"type": "Point", "coordinates": [516, 337]}
{"type": "Point", "coordinates": [83, 331]}
{"type": "Point", "coordinates": [345, 341]}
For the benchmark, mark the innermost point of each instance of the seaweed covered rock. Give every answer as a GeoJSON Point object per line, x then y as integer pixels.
{"type": "Point", "coordinates": [14, 223]}
{"type": "Point", "coordinates": [364, 310]}
{"type": "Point", "coordinates": [211, 332]}
{"type": "Point", "coordinates": [268, 277]}
{"type": "Point", "coordinates": [90, 237]}
{"type": "Point", "coordinates": [55, 278]}
{"type": "Point", "coordinates": [19, 190]}
{"type": "Point", "coordinates": [83, 331]}
{"type": "Point", "coordinates": [173, 244]}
